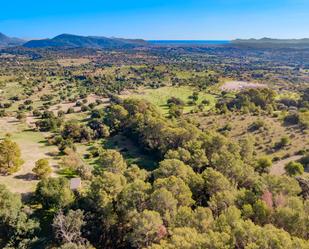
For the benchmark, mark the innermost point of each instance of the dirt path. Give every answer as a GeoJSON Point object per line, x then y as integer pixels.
{"type": "Point", "coordinates": [278, 167]}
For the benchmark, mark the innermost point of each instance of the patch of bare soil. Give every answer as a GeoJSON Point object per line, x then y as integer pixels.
{"type": "Point", "coordinates": [278, 167]}
{"type": "Point", "coordinates": [240, 85]}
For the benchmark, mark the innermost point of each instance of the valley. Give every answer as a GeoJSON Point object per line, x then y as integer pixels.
{"type": "Point", "coordinates": [210, 141]}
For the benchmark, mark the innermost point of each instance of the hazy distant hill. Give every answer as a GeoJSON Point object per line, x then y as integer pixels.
{"type": "Point", "coordinates": [6, 41]}
{"type": "Point", "coordinates": [188, 43]}
{"type": "Point", "coordinates": [75, 41]}
{"type": "Point", "coordinates": [273, 43]}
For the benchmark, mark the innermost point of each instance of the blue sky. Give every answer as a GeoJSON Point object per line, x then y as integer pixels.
{"type": "Point", "coordinates": [157, 19]}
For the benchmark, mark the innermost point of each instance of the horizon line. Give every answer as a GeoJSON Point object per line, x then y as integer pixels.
{"type": "Point", "coordinates": [157, 39]}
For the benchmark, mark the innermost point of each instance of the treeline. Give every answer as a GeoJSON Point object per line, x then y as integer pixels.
{"type": "Point", "coordinates": [207, 192]}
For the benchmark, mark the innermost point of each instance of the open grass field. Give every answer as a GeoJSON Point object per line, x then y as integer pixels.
{"type": "Point", "coordinates": [33, 147]}
{"type": "Point", "coordinates": [188, 74]}
{"type": "Point", "coordinates": [160, 96]}
{"type": "Point", "coordinates": [11, 89]}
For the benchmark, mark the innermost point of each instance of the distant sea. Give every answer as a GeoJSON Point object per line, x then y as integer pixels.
{"type": "Point", "coordinates": [188, 42]}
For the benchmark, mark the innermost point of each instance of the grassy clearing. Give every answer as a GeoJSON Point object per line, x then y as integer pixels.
{"type": "Point", "coordinates": [66, 172]}
{"type": "Point", "coordinates": [84, 150]}
{"type": "Point", "coordinates": [10, 125]}
{"type": "Point", "coordinates": [33, 147]}
{"type": "Point", "coordinates": [11, 89]}
{"type": "Point", "coordinates": [190, 74]}
{"type": "Point", "coordinates": [131, 152]}
{"type": "Point", "coordinates": [160, 96]}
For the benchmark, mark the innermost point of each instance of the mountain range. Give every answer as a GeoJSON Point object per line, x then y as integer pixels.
{"type": "Point", "coordinates": [271, 43]}
{"type": "Point", "coordinates": [76, 41]}
{"type": "Point", "coordinates": [6, 41]}
{"type": "Point", "coordinates": [99, 42]}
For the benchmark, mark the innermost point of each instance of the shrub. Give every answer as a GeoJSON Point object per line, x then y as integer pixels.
{"type": "Point", "coordinates": [263, 165]}
{"type": "Point", "coordinates": [175, 101]}
{"type": "Point", "coordinates": [304, 119]}
{"type": "Point", "coordinates": [70, 110]}
{"type": "Point", "coordinates": [294, 168]}
{"type": "Point", "coordinates": [284, 141]}
{"type": "Point", "coordinates": [42, 168]}
{"type": "Point", "coordinates": [256, 125]}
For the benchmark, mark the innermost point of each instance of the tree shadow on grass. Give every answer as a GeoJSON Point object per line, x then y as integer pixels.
{"type": "Point", "coordinates": [26, 177]}
{"type": "Point", "coordinates": [45, 142]}
{"type": "Point", "coordinates": [55, 155]}
{"type": "Point", "coordinates": [29, 130]}
{"type": "Point", "coordinates": [13, 121]}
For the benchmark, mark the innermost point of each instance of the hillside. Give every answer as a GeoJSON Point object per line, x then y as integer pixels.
{"type": "Point", "coordinates": [6, 41]}
{"type": "Point", "coordinates": [75, 41]}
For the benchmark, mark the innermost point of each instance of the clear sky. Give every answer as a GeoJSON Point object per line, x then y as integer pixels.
{"type": "Point", "coordinates": [156, 19]}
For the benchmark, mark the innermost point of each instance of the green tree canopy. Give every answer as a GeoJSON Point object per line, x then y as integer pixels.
{"type": "Point", "coordinates": [10, 156]}
{"type": "Point", "coordinates": [54, 192]}
{"type": "Point", "coordinates": [42, 168]}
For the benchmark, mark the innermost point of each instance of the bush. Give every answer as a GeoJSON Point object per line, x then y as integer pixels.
{"type": "Point", "coordinates": [2, 113]}
{"type": "Point", "coordinates": [291, 118]}
{"type": "Point", "coordinates": [284, 141]}
{"type": "Point", "coordinates": [21, 116]}
{"type": "Point", "coordinates": [70, 110]}
{"type": "Point", "coordinates": [263, 165]}
{"type": "Point", "coordinates": [42, 168]}
{"type": "Point", "coordinates": [28, 102]}
{"type": "Point", "coordinates": [256, 125]}
{"type": "Point", "coordinates": [175, 101]}
{"type": "Point", "coordinates": [304, 119]}
{"type": "Point", "coordinates": [206, 102]}
{"type": "Point", "coordinates": [305, 160]}
{"type": "Point", "coordinates": [294, 168]}
{"type": "Point", "coordinates": [78, 103]}
{"type": "Point", "coordinates": [84, 108]}
{"type": "Point", "coordinates": [36, 113]}
{"type": "Point", "coordinates": [175, 111]}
